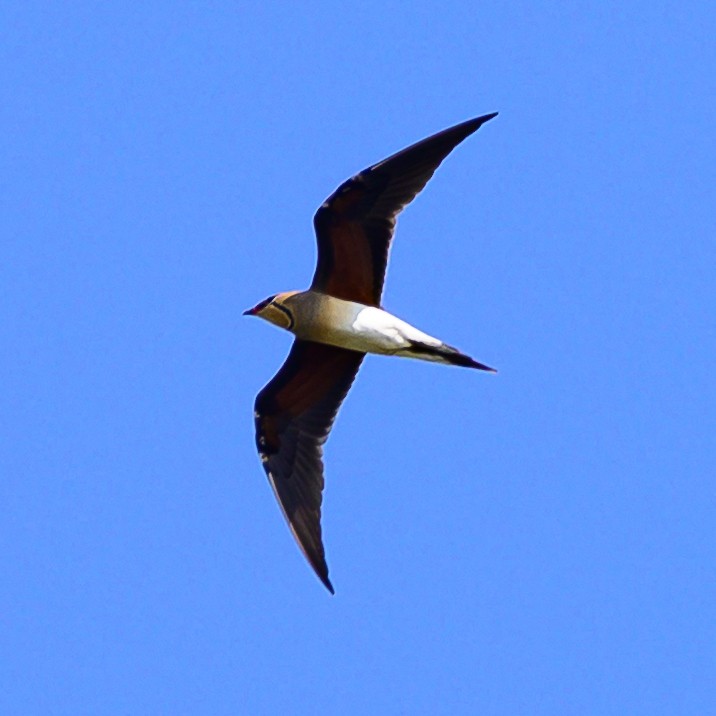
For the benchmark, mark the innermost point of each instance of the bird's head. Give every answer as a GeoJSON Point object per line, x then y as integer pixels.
{"type": "Point", "coordinates": [275, 310]}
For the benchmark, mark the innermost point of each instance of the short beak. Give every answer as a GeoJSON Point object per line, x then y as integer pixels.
{"type": "Point", "coordinates": [248, 312]}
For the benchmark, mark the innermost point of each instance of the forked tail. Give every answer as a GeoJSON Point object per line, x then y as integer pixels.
{"type": "Point", "coordinates": [445, 354]}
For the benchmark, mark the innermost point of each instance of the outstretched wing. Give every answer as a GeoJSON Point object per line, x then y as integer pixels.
{"type": "Point", "coordinates": [294, 414]}
{"type": "Point", "coordinates": [355, 225]}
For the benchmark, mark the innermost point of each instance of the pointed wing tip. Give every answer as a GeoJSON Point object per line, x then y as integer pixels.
{"type": "Point", "coordinates": [321, 570]}
{"type": "Point", "coordinates": [314, 557]}
{"type": "Point", "coordinates": [327, 584]}
{"type": "Point", "coordinates": [479, 121]}
{"type": "Point", "coordinates": [470, 126]}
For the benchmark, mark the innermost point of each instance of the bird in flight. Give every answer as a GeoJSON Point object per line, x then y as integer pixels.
{"type": "Point", "coordinates": [336, 322]}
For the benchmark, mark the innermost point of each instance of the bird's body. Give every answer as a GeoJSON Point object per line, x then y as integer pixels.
{"type": "Point", "coordinates": [315, 316]}
{"type": "Point", "coordinates": [337, 321]}
{"type": "Point", "coordinates": [348, 324]}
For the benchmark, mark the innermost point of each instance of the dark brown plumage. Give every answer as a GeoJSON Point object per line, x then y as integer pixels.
{"type": "Point", "coordinates": [294, 414]}
{"type": "Point", "coordinates": [356, 223]}
{"type": "Point", "coordinates": [295, 411]}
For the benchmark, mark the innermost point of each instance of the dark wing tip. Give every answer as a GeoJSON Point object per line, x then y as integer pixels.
{"type": "Point", "coordinates": [484, 118]}
{"type": "Point", "coordinates": [472, 125]}
{"type": "Point", "coordinates": [316, 557]}
{"type": "Point", "coordinates": [314, 554]}
{"type": "Point", "coordinates": [327, 584]}
{"type": "Point", "coordinates": [293, 416]}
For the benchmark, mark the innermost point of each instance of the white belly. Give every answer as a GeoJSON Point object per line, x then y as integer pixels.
{"type": "Point", "coordinates": [373, 330]}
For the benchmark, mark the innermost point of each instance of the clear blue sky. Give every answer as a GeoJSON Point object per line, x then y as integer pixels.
{"type": "Point", "coordinates": [537, 542]}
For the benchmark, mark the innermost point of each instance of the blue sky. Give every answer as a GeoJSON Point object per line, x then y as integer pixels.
{"type": "Point", "coordinates": [536, 542]}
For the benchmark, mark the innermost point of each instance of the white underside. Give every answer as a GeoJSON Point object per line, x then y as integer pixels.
{"type": "Point", "coordinates": [373, 330]}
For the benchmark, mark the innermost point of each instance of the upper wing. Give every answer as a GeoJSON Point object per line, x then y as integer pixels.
{"type": "Point", "coordinates": [355, 224]}
{"type": "Point", "coordinates": [294, 414]}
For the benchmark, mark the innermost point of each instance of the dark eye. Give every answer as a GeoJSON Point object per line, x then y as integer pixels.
{"type": "Point", "coordinates": [264, 303]}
